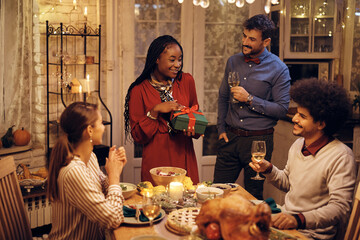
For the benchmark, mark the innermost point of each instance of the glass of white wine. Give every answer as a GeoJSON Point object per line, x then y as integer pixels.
{"type": "Point", "coordinates": [258, 152]}
{"type": "Point", "coordinates": [151, 208]}
{"type": "Point", "coordinates": [233, 81]}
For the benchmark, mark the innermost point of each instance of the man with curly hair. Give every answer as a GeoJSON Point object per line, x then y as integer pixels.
{"type": "Point", "coordinates": [320, 173]}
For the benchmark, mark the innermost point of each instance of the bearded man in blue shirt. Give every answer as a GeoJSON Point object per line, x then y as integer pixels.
{"type": "Point", "coordinates": [260, 99]}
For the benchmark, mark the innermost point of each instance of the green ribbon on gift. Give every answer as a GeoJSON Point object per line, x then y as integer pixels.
{"type": "Point", "coordinates": [130, 212]}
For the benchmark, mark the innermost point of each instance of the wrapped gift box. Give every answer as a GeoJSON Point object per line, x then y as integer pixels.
{"type": "Point", "coordinates": [189, 117]}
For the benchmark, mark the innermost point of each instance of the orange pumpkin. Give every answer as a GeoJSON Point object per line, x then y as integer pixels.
{"type": "Point", "coordinates": [21, 137]}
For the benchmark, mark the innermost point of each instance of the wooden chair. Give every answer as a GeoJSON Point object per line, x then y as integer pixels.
{"type": "Point", "coordinates": [14, 221]}
{"type": "Point", "coordinates": [353, 229]}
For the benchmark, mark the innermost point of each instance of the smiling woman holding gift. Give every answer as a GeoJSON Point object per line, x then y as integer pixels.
{"type": "Point", "coordinates": [161, 89]}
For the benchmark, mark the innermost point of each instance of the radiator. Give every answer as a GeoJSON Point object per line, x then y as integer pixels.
{"type": "Point", "coordinates": [39, 211]}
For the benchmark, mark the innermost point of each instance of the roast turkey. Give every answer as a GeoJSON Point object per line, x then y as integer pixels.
{"type": "Point", "coordinates": [238, 219]}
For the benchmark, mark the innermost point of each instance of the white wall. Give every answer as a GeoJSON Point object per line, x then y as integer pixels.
{"type": "Point", "coordinates": [283, 139]}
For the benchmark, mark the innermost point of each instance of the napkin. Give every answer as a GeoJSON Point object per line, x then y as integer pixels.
{"type": "Point", "coordinates": [130, 212]}
{"type": "Point", "coordinates": [271, 202]}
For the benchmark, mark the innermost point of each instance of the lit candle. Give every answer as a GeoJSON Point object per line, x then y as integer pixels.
{"type": "Point", "coordinates": [74, 3]}
{"type": "Point", "coordinates": [176, 190]}
{"type": "Point", "coordinates": [85, 11]}
{"type": "Point", "coordinates": [148, 192]}
{"type": "Point", "coordinates": [88, 83]}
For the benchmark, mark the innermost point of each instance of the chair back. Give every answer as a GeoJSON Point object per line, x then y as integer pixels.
{"type": "Point", "coordinates": [353, 229]}
{"type": "Point", "coordinates": [14, 221]}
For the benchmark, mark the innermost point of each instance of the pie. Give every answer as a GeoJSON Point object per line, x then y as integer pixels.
{"type": "Point", "coordinates": [182, 221]}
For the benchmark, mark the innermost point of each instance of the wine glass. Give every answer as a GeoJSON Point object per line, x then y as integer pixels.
{"type": "Point", "coordinates": [233, 81]}
{"type": "Point", "coordinates": [258, 152]}
{"type": "Point", "coordinates": [151, 207]}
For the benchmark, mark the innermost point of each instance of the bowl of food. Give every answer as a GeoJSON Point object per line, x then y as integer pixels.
{"type": "Point", "coordinates": [128, 189]}
{"type": "Point", "coordinates": [225, 187]}
{"type": "Point", "coordinates": [205, 193]}
{"type": "Point", "coordinates": [165, 175]}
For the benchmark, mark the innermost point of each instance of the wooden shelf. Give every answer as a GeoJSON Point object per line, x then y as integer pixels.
{"type": "Point", "coordinates": [14, 149]}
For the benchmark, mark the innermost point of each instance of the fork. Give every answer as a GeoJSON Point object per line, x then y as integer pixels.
{"type": "Point", "coordinates": [137, 214]}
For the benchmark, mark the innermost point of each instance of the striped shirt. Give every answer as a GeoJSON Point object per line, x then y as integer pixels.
{"type": "Point", "coordinates": [87, 203]}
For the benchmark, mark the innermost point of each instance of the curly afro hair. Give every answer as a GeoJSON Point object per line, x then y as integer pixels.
{"type": "Point", "coordinates": [326, 101]}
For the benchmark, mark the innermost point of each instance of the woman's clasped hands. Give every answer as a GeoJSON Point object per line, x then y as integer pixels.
{"type": "Point", "coordinates": [115, 164]}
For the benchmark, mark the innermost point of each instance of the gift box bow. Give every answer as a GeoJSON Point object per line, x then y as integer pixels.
{"type": "Point", "coordinates": [190, 112]}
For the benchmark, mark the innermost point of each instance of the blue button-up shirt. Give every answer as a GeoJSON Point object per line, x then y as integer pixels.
{"type": "Point", "coordinates": [268, 82]}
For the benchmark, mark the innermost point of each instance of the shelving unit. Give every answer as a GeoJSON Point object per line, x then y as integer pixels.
{"type": "Point", "coordinates": [73, 59]}
{"type": "Point", "coordinates": [314, 31]}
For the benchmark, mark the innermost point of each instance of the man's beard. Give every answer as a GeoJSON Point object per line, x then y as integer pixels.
{"type": "Point", "coordinates": [252, 51]}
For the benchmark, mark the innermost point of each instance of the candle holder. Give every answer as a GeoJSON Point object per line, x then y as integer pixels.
{"type": "Point", "coordinates": [176, 190]}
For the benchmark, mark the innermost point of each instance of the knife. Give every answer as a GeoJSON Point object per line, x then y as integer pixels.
{"type": "Point", "coordinates": [137, 214]}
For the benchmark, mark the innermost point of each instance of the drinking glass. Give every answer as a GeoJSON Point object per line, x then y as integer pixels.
{"type": "Point", "coordinates": [151, 208]}
{"type": "Point", "coordinates": [258, 152]}
{"type": "Point", "coordinates": [233, 81]}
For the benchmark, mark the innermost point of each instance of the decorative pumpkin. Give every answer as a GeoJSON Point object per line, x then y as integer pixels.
{"type": "Point", "coordinates": [21, 137]}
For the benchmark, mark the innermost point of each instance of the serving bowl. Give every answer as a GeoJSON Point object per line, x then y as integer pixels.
{"type": "Point", "coordinates": [165, 175]}
{"type": "Point", "coordinates": [205, 193]}
{"type": "Point", "coordinates": [128, 189]}
{"type": "Point", "coordinates": [225, 187]}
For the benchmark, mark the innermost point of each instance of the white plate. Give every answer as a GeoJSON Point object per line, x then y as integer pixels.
{"type": "Point", "coordinates": [148, 237]}
{"type": "Point", "coordinates": [133, 221]}
{"type": "Point", "coordinates": [257, 202]}
{"type": "Point", "coordinates": [234, 186]}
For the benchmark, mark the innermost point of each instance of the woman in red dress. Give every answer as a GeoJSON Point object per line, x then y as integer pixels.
{"type": "Point", "coordinates": [162, 88]}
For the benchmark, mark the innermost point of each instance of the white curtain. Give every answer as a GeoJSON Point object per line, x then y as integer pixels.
{"type": "Point", "coordinates": [15, 64]}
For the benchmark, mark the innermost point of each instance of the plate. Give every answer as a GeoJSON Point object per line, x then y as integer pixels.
{"type": "Point", "coordinates": [257, 202]}
{"type": "Point", "coordinates": [276, 234]}
{"type": "Point", "coordinates": [182, 221]}
{"type": "Point", "coordinates": [234, 186]}
{"type": "Point", "coordinates": [133, 221]}
{"type": "Point", "coordinates": [32, 182]}
{"type": "Point", "coordinates": [148, 237]}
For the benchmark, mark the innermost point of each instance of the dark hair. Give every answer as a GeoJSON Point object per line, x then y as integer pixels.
{"type": "Point", "coordinates": [326, 101]}
{"type": "Point", "coordinates": [261, 22]}
{"type": "Point", "coordinates": [154, 51]}
{"type": "Point", "coordinates": [73, 121]}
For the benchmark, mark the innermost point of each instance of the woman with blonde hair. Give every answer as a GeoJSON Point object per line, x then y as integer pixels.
{"type": "Point", "coordinates": [84, 200]}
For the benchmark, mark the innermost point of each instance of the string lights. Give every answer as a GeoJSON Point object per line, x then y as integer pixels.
{"type": "Point", "coordinates": [238, 3]}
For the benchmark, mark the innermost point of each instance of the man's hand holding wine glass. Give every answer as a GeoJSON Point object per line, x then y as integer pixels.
{"type": "Point", "coordinates": [259, 166]}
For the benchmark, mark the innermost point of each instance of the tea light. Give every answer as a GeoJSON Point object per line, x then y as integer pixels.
{"type": "Point", "coordinates": [176, 190]}
{"type": "Point", "coordinates": [148, 192]}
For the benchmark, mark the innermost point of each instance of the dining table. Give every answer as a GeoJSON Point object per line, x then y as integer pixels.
{"type": "Point", "coordinates": [129, 231]}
